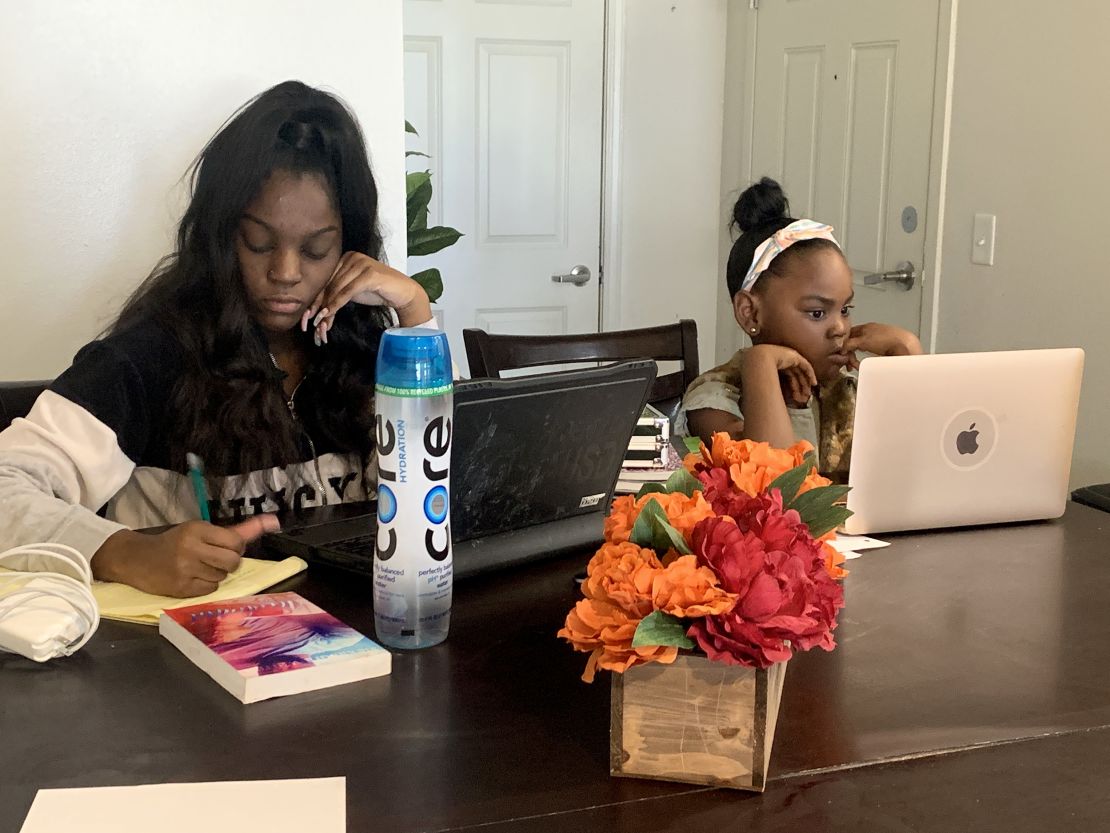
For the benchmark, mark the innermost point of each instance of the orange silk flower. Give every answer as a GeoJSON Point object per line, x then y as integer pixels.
{"type": "Point", "coordinates": [684, 589]}
{"type": "Point", "coordinates": [623, 574]}
{"type": "Point", "coordinates": [682, 513]}
{"type": "Point", "coordinates": [753, 466]}
{"type": "Point", "coordinates": [606, 631]}
{"type": "Point", "coordinates": [833, 558]}
{"type": "Point", "coordinates": [626, 582]}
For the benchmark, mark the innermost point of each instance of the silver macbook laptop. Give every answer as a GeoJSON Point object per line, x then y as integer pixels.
{"type": "Point", "coordinates": [963, 438]}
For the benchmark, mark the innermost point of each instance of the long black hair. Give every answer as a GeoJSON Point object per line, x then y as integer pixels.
{"type": "Point", "coordinates": [228, 405]}
{"type": "Point", "coordinates": [761, 210]}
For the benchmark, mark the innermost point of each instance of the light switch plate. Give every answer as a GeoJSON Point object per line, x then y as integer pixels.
{"type": "Point", "coordinates": [982, 240]}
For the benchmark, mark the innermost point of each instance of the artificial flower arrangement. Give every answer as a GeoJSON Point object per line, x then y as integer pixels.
{"type": "Point", "coordinates": [704, 587]}
{"type": "Point", "coordinates": [728, 558]}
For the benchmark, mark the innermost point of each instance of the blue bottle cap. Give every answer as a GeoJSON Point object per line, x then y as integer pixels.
{"type": "Point", "coordinates": [414, 361]}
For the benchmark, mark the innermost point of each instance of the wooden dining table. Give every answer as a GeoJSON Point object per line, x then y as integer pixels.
{"type": "Point", "coordinates": [969, 690]}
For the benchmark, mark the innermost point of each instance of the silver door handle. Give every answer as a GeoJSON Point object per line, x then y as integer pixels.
{"type": "Point", "coordinates": [902, 274]}
{"type": "Point", "coordinates": [579, 276]}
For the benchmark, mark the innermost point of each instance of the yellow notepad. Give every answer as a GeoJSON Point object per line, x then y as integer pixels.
{"type": "Point", "coordinates": [126, 604]}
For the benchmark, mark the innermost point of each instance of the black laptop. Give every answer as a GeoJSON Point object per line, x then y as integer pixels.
{"type": "Point", "coordinates": [534, 460]}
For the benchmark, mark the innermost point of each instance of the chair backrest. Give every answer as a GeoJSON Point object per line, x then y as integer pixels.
{"type": "Point", "coordinates": [491, 354]}
{"type": "Point", "coordinates": [16, 399]}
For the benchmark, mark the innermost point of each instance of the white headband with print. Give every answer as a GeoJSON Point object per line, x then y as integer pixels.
{"type": "Point", "coordinates": [781, 240]}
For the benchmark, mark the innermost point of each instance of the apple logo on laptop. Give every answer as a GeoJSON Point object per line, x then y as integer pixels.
{"type": "Point", "coordinates": [969, 438]}
{"type": "Point", "coordinates": [967, 442]}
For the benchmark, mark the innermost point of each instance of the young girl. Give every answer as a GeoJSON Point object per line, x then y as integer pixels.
{"type": "Point", "coordinates": [792, 294]}
{"type": "Point", "coordinates": [253, 346]}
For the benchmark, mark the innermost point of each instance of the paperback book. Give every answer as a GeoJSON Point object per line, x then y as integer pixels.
{"type": "Point", "coordinates": [271, 645]}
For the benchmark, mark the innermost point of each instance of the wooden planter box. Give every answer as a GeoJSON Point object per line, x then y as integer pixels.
{"type": "Point", "coordinates": [695, 721]}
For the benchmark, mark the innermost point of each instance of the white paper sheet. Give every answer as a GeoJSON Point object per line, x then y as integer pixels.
{"type": "Point", "coordinates": [293, 805]}
{"type": "Point", "coordinates": [850, 546]}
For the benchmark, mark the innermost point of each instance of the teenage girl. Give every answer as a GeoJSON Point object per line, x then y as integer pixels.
{"type": "Point", "coordinates": [792, 294]}
{"type": "Point", "coordinates": [252, 345]}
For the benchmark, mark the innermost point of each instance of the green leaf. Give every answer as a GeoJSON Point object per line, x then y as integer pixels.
{"type": "Point", "coordinates": [790, 481]}
{"type": "Point", "coordinates": [659, 628]}
{"type": "Point", "coordinates": [828, 519]}
{"type": "Point", "coordinates": [432, 282]}
{"type": "Point", "coordinates": [643, 531]}
{"type": "Point", "coordinates": [410, 129]}
{"type": "Point", "coordinates": [818, 510]}
{"type": "Point", "coordinates": [409, 153]}
{"type": "Point", "coordinates": [683, 481]}
{"type": "Point", "coordinates": [419, 186]}
{"type": "Point", "coordinates": [693, 444]}
{"type": "Point", "coordinates": [430, 240]}
{"type": "Point", "coordinates": [816, 499]}
{"type": "Point", "coordinates": [650, 488]}
{"type": "Point", "coordinates": [414, 181]}
{"type": "Point", "coordinates": [653, 530]}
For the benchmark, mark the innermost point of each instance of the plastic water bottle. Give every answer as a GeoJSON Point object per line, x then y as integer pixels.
{"type": "Point", "coordinates": [413, 426]}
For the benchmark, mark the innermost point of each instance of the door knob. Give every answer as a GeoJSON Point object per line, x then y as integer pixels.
{"type": "Point", "coordinates": [579, 276]}
{"type": "Point", "coordinates": [902, 275]}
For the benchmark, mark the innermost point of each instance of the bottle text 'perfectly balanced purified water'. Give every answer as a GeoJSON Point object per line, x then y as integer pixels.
{"type": "Point", "coordinates": [413, 421]}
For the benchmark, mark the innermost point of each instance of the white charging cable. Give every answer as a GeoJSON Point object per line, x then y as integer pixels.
{"type": "Point", "coordinates": [47, 608]}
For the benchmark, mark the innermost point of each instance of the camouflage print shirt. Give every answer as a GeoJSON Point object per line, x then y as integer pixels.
{"type": "Point", "coordinates": [826, 422]}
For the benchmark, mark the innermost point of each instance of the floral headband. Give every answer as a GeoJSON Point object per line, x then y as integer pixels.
{"type": "Point", "coordinates": [781, 240]}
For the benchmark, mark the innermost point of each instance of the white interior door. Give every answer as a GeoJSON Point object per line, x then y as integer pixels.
{"type": "Point", "coordinates": [507, 98]}
{"type": "Point", "coordinates": [843, 119]}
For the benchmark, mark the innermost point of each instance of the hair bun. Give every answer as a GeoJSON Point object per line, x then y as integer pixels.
{"type": "Point", "coordinates": [760, 204]}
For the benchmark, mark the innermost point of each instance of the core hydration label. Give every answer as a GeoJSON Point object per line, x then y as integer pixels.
{"type": "Point", "coordinates": [412, 570]}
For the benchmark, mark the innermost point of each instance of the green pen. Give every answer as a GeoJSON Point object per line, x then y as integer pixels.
{"type": "Point", "coordinates": [196, 474]}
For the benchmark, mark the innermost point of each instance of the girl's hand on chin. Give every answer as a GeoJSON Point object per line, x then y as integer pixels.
{"type": "Point", "coordinates": [880, 340]}
{"type": "Point", "coordinates": [363, 280]}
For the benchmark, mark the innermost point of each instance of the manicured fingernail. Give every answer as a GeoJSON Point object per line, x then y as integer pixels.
{"type": "Point", "coordinates": [316, 338]}
{"type": "Point", "coordinates": [319, 317]}
{"type": "Point", "coordinates": [324, 333]}
{"type": "Point", "coordinates": [304, 320]}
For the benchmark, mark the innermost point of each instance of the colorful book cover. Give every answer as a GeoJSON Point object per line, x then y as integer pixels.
{"type": "Point", "coordinates": [272, 634]}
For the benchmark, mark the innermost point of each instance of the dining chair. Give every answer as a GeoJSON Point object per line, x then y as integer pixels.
{"type": "Point", "coordinates": [491, 354]}
{"type": "Point", "coordinates": [16, 399]}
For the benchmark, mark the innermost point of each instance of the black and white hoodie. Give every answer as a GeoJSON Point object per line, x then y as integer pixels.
{"type": "Point", "coordinates": [96, 441]}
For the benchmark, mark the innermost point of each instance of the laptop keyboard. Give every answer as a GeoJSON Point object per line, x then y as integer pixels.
{"type": "Point", "coordinates": [359, 545]}
{"type": "Point", "coordinates": [355, 553]}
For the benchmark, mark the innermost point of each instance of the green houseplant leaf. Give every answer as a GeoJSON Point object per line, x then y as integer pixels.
{"type": "Point", "coordinates": [432, 282]}
{"type": "Point", "coordinates": [426, 241]}
{"type": "Point", "coordinates": [659, 628]}
{"type": "Point", "coordinates": [421, 239]}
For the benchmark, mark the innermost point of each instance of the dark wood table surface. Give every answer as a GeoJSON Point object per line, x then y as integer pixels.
{"type": "Point", "coordinates": [970, 691]}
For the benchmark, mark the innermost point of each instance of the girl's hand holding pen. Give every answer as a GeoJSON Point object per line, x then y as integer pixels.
{"type": "Point", "coordinates": [190, 559]}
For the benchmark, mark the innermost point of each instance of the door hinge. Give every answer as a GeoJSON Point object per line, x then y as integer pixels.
{"type": "Point", "coordinates": [753, 4]}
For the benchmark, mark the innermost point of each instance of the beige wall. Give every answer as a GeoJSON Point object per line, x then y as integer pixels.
{"type": "Point", "coordinates": [105, 106]}
{"type": "Point", "coordinates": [1030, 137]}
